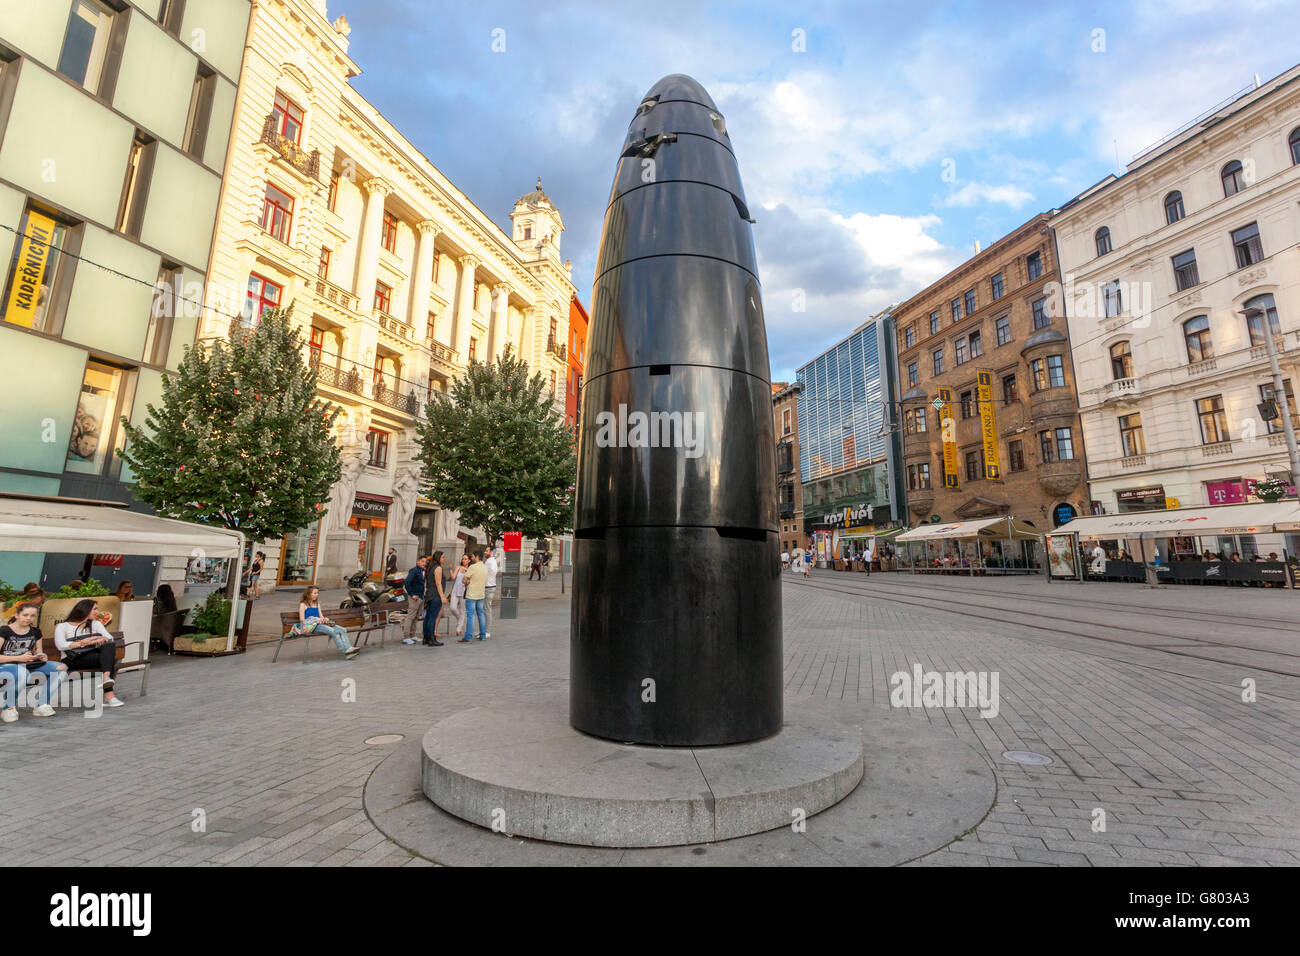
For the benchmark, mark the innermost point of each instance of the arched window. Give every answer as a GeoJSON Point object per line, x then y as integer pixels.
{"type": "Point", "coordinates": [1174, 207]}
{"type": "Point", "coordinates": [1234, 179]}
{"type": "Point", "coordinates": [1102, 237]}
{"type": "Point", "coordinates": [1256, 310]}
{"type": "Point", "coordinates": [1294, 142]}
{"type": "Point", "coordinates": [1121, 361]}
{"type": "Point", "coordinates": [1196, 333]}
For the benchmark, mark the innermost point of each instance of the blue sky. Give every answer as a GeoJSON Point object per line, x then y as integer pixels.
{"type": "Point", "coordinates": [843, 147]}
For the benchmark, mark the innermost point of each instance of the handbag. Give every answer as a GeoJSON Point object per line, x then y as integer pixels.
{"type": "Point", "coordinates": [303, 627]}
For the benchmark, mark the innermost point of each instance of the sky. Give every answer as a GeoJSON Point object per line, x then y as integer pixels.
{"type": "Point", "coordinates": [877, 142]}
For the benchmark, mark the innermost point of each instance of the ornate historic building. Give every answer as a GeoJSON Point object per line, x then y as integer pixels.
{"type": "Point", "coordinates": [1173, 273]}
{"type": "Point", "coordinates": [789, 489]}
{"type": "Point", "coordinates": [396, 277]}
{"type": "Point", "coordinates": [991, 325]}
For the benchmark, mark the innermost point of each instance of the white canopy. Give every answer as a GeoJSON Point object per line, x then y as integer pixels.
{"type": "Point", "coordinates": [75, 526]}
{"type": "Point", "coordinates": [1257, 518]}
{"type": "Point", "coordinates": [990, 528]}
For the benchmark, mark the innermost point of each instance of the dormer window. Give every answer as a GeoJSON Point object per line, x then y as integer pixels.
{"type": "Point", "coordinates": [528, 230]}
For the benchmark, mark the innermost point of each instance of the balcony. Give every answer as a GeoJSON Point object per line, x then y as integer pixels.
{"type": "Point", "coordinates": [337, 372]}
{"type": "Point", "coordinates": [394, 325]}
{"type": "Point", "coordinates": [916, 445]}
{"type": "Point", "coordinates": [1133, 461]}
{"type": "Point", "coordinates": [1120, 390]}
{"type": "Point", "coordinates": [406, 396]}
{"type": "Point", "coordinates": [308, 164]}
{"type": "Point", "coordinates": [785, 509]}
{"type": "Point", "coordinates": [1200, 368]}
{"type": "Point", "coordinates": [784, 467]}
{"type": "Point", "coordinates": [444, 355]}
{"type": "Point", "coordinates": [556, 349]}
{"type": "Point", "coordinates": [1059, 478]}
{"type": "Point", "coordinates": [920, 501]}
{"type": "Point", "coordinates": [336, 295]}
{"type": "Point", "coordinates": [1216, 450]}
{"type": "Point", "coordinates": [1052, 403]}
{"type": "Point", "coordinates": [330, 370]}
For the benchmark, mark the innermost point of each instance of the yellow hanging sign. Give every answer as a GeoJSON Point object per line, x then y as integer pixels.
{"type": "Point", "coordinates": [29, 273]}
{"type": "Point", "coordinates": [988, 427]}
{"type": "Point", "coordinates": [948, 432]}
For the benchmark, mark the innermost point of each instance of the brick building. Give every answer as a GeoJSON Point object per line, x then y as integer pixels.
{"type": "Point", "coordinates": [577, 362]}
{"type": "Point", "coordinates": [789, 491]}
{"type": "Point", "coordinates": [998, 314]}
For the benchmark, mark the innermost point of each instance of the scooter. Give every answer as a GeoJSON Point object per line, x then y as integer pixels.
{"type": "Point", "coordinates": [363, 593]}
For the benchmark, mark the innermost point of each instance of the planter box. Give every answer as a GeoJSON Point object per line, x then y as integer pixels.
{"type": "Point", "coordinates": [215, 644]}
{"type": "Point", "coordinates": [55, 611]}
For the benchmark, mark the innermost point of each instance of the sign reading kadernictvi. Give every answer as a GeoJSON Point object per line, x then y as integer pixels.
{"type": "Point", "coordinates": [988, 428]}
{"type": "Point", "coordinates": [511, 545]}
{"type": "Point", "coordinates": [948, 432]}
{"type": "Point", "coordinates": [29, 275]}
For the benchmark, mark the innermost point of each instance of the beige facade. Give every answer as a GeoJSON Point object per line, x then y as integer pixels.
{"type": "Point", "coordinates": [1169, 272]}
{"type": "Point", "coordinates": [397, 279]}
{"type": "Point", "coordinates": [789, 489]}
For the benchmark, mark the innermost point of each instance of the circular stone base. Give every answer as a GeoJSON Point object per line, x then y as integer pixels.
{"type": "Point", "coordinates": [524, 771]}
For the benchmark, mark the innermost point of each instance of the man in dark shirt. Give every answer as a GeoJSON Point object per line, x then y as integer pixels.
{"type": "Point", "coordinates": [414, 597]}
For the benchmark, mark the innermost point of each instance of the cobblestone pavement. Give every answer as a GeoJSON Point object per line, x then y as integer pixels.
{"type": "Point", "coordinates": [1149, 727]}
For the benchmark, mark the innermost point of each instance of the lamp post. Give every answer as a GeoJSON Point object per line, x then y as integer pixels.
{"type": "Point", "coordinates": [1279, 392]}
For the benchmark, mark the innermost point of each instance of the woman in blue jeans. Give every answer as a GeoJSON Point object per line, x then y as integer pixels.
{"type": "Point", "coordinates": [21, 656]}
{"type": "Point", "coordinates": [312, 621]}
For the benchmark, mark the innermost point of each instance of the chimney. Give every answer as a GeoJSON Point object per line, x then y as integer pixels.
{"type": "Point", "coordinates": [977, 247]}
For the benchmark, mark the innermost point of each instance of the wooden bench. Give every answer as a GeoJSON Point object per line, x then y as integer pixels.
{"type": "Point", "coordinates": [121, 644]}
{"type": "Point", "coordinates": [358, 622]}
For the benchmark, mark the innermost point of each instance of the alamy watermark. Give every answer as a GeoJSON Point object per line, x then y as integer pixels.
{"type": "Point", "coordinates": [624, 429]}
{"type": "Point", "coordinates": [945, 689]}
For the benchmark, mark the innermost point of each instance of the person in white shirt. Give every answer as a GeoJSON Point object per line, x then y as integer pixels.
{"type": "Point", "coordinates": [1098, 565]}
{"type": "Point", "coordinates": [785, 560]}
{"type": "Point", "coordinates": [490, 589]}
{"type": "Point", "coordinates": [86, 645]}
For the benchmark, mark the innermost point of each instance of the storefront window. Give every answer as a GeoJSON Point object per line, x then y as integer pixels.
{"type": "Point", "coordinates": [95, 431]}
{"type": "Point", "coordinates": [298, 556]}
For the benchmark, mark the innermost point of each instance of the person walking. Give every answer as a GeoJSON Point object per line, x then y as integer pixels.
{"type": "Point", "coordinates": [255, 574]}
{"type": "Point", "coordinates": [546, 563]}
{"type": "Point", "coordinates": [490, 588]}
{"type": "Point", "coordinates": [475, 578]}
{"type": "Point", "coordinates": [435, 596]}
{"type": "Point", "coordinates": [312, 621]}
{"type": "Point", "coordinates": [537, 565]}
{"type": "Point", "coordinates": [414, 587]}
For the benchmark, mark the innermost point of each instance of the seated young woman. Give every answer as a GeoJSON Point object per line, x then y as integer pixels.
{"type": "Point", "coordinates": [312, 621]}
{"type": "Point", "coordinates": [20, 658]}
{"type": "Point", "coordinates": [86, 645]}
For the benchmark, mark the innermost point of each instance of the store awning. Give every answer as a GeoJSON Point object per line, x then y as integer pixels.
{"type": "Point", "coordinates": [75, 526]}
{"type": "Point", "coordinates": [1256, 518]}
{"type": "Point", "coordinates": [879, 535]}
{"type": "Point", "coordinates": [987, 528]}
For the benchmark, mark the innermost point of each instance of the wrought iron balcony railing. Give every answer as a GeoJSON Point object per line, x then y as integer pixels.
{"type": "Point", "coordinates": [306, 163]}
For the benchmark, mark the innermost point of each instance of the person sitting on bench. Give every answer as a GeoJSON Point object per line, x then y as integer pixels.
{"type": "Point", "coordinates": [312, 621]}
{"type": "Point", "coordinates": [87, 646]}
{"type": "Point", "coordinates": [20, 656]}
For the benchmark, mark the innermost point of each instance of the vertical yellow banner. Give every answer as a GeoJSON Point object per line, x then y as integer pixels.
{"type": "Point", "coordinates": [988, 426]}
{"type": "Point", "coordinates": [29, 273]}
{"type": "Point", "coordinates": [948, 432]}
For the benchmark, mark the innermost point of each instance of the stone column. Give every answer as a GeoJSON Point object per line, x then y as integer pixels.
{"type": "Point", "coordinates": [372, 224]}
{"type": "Point", "coordinates": [426, 232]}
{"type": "Point", "coordinates": [499, 325]}
{"type": "Point", "coordinates": [465, 306]}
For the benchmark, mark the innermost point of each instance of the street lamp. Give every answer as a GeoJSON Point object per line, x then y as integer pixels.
{"type": "Point", "coordinates": [1279, 391]}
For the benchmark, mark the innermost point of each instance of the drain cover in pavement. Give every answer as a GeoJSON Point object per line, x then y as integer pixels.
{"type": "Point", "coordinates": [384, 739]}
{"type": "Point", "coordinates": [1027, 756]}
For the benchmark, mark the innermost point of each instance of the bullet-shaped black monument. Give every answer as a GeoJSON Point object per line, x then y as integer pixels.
{"type": "Point", "coordinates": [676, 626]}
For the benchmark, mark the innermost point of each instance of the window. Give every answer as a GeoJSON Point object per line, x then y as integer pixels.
{"type": "Point", "coordinates": [277, 213]}
{"type": "Point", "coordinates": [378, 443]}
{"type": "Point", "coordinates": [998, 286]}
{"type": "Point", "coordinates": [1293, 141]}
{"type": "Point", "coordinates": [1102, 238]}
{"type": "Point", "coordinates": [1064, 445]}
{"type": "Point", "coordinates": [1130, 435]}
{"type": "Point", "coordinates": [1121, 361]}
{"type": "Point", "coordinates": [1214, 424]}
{"type": "Point", "coordinates": [1257, 309]}
{"type": "Point", "coordinates": [1055, 371]}
{"type": "Point", "coordinates": [909, 336]}
{"type": "Point", "coordinates": [40, 275]}
{"type": "Point", "coordinates": [1185, 274]}
{"type": "Point", "coordinates": [1196, 332]}
{"type": "Point", "coordinates": [323, 265]}
{"type": "Point", "coordinates": [970, 301]}
{"type": "Point", "coordinates": [956, 310]}
{"type": "Point", "coordinates": [158, 334]}
{"type": "Point", "coordinates": [432, 326]}
{"type": "Point", "coordinates": [1003, 326]}
{"type": "Point", "coordinates": [934, 323]}
{"type": "Point", "coordinates": [912, 377]}
{"type": "Point", "coordinates": [196, 122]}
{"type": "Point", "coordinates": [170, 14]}
{"type": "Point", "coordinates": [967, 404]}
{"type": "Point", "coordinates": [1010, 393]}
{"type": "Point", "coordinates": [288, 118]}
{"type": "Point", "coordinates": [1038, 370]}
{"type": "Point", "coordinates": [1112, 299]}
{"type": "Point", "coordinates": [316, 344]}
{"type": "Point", "coordinates": [1045, 446]}
{"type": "Point", "coordinates": [937, 358]}
{"type": "Point", "coordinates": [976, 345]}
{"type": "Point", "coordinates": [1267, 393]}
{"type": "Point", "coordinates": [388, 232]}
{"type": "Point", "coordinates": [1174, 207]}
{"type": "Point", "coordinates": [1015, 455]}
{"type": "Point", "coordinates": [85, 57]}
{"type": "Point", "coordinates": [1041, 318]}
{"type": "Point", "coordinates": [918, 477]}
{"type": "Point", "coordinates": [785, 421]}
{"type": "Point", "coordinates": [552, 383]}
{"type": "Point", "coordinates": [528, 231]}
{"type": "Point", "coordinates": [974, 465]}
{"type": "Point", "coordinates": [962, 355]}
{"type": "Point", "coordinates": [263, 295]}
{"type": "Point", "coordinates": [1234, 179]}
{"type": "Point", "coordinates": [1246, 244]}
{"type": "Point", "coordinates": [383, 298]}
{"type": "Point", "coordinates": [473, 348]}
{"type": "Point", "coordinates": [918, 420]}
{"type": "Point", "coordinates": [332, 200]}
{"type": "Point", "coordinates": [97, 434]}
{"type": "Point", "coordinates": [135, 188]}
{"type": "Point", "coordinates": [437, 262]}
{"type": "Point", "coordinates": [1034, 265]}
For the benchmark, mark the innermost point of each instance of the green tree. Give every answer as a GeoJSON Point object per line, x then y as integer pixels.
{"type": "Point", "coordinates": [495, 449]}
{"type": "Point", "coordinates": [240, 438]}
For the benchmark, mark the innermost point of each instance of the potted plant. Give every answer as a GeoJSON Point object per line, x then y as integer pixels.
{"type": "Point", "coordinates": [58, 605]}
{"type": "Point", "coordinates": [211, 620]}
{"type": "Point", "coordinates": [1270, 489]}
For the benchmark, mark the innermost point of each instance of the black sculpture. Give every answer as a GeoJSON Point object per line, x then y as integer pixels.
{"type": "Point", "coordinates": [676, 627]}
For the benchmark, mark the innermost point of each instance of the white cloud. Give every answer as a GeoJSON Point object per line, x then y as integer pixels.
{"type": "Point", "coordinates": [974, 193]}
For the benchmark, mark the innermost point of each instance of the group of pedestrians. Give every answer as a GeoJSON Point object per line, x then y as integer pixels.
{"type": "Point", "coordinates": [541, 564]}
{"type": "Point", "coordinates": [465, 593]}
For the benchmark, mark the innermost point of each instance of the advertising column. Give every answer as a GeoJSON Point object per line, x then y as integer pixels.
{"type": "Point", "coordinates": [512, 544]}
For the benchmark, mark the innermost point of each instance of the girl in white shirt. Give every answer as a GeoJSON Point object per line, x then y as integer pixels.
{"type": "Point", "coordinates": [87, 646]}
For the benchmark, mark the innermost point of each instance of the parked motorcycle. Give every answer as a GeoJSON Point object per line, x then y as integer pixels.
{"type": "Point", "coordinates": [363, 593]}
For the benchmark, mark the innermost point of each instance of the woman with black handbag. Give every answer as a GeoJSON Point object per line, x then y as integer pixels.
{"type": "Point", "coordinates": [87, 646]}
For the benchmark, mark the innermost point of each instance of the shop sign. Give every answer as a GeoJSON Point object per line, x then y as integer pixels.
{"type": "Point", "coordinates": [369, 507]}
{"type": "Point", "coordinates": [1134, 494]}
{"type": "Point", "coordinates": [29, 273]}
{"type": "Point", "coordinates": [948, 431]}
{"type": "Point", "coordinates": [988, 428]}
{"type": "Point", "coordinates": [849, 515]}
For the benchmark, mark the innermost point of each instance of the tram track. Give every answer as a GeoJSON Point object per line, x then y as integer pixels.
{"type": "Point", "coordinates": [1056, 624]}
